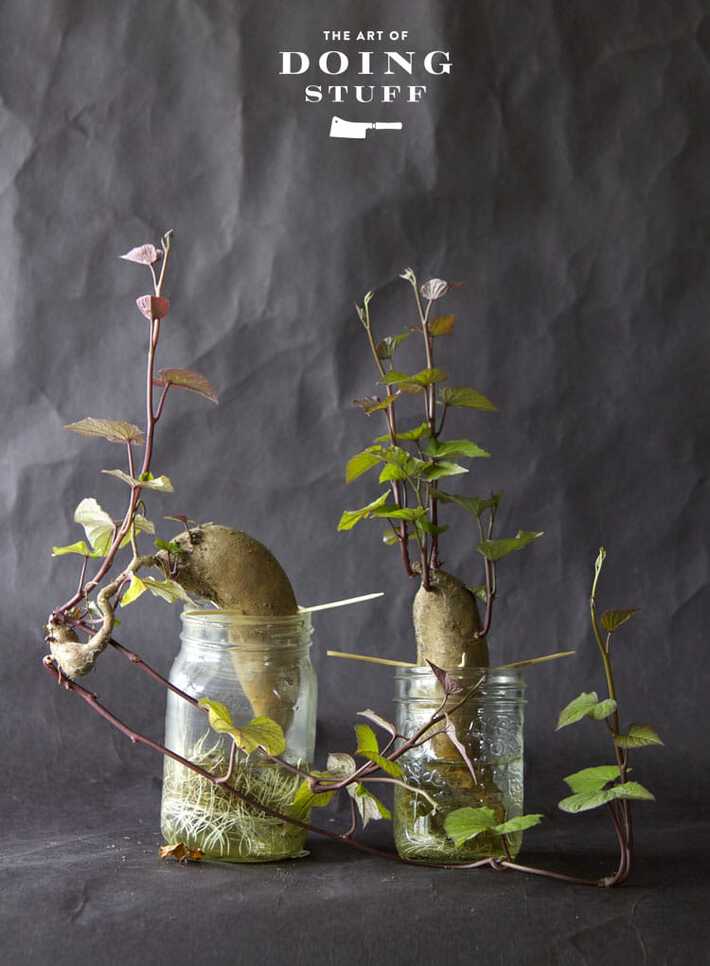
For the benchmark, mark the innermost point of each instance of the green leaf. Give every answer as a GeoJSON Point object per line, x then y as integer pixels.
{"type": "Point", "coordinates": [633, 790]}
{"type": "Point", "coordinates": [114, 430]}
{"type": "Point", "coordinates": [168, 590]}
{"type": "Point", "coordinates": [468, 398]}
{"type": "Point", "coordinates": [592, 779]}
{"type": "Point", "coordinates": [442, 469]}
{"type": "Point", "coordinates": [368, 805]}
{"type": "Point", "coordinates": [612, 620]}
{"type": "Point", "coordinates": [409, 434]}
{"type": "Point", "coordinates": [170, 545]}
{"type": "Point", "coordinates": [474, 505]}
{"type": "Point", "coordinates": [304, 800]}
{"type": "Point", "coordinates": [411, 514]}
{"type": "Point", "coordinates": [454, 447]}
{"type": "Point", "coordinates": [577, 709]}
{"type": "Point", "coordinates": [160, 483]}
{"type": "Point", "coordinates": [362, 462]}
{"type": "Point", "coordinates": [366, 739]}
{"type": "Point", "coordinates": [638, 736]}
{"type": "Point", "coordinates": [79, 547]}
{"type": "Point", "coordinates": [584, 801]}
{"type": "Point", "coordinates": [260, 732]}
{"type": "Point", "coordinates": [426, 377]}
{"type": "Point", "coordinates": [497, 549]}
{"type": "Point", "coordinates": [99, 527]}
{"type": "Point", "coordinates": [602, 710]}
{"type": "Point", "coordinates": [135, 589]}
{"type": "Point", "coordinates": [463, 824]}
{"type": "Point", "coordinates": [372, 404]}
{"type": "Point", "coordinates": [386, 347]}
{"type": "Point", "coordinates": [352, 517]}
{"type": "Point", "coordinates": [518, 824]}
{"type": "Point", "coordinates": [442, 325]}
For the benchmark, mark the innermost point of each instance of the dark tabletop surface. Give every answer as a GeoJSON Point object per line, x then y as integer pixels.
{"type": "Point", "coordinates": [85, 884]}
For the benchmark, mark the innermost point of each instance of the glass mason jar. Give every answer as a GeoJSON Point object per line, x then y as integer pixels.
{"type": "Point", "coordinates": [490, 727]}
{"type": "Point", "coordinates": [255, 666]}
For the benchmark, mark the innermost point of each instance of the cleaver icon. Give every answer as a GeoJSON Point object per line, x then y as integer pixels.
{"type": "Point", "coordinates": [340, 128]}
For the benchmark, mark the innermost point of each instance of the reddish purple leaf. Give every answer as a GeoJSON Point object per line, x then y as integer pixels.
{"type": "Point", "coordinates": [153, 306]}
{"type": "Point", "coordinates": [187, 379]}
{"type": "Point", "coordinates": [449, 684]}
{"type": "Point", "coordinates": [143, 255]}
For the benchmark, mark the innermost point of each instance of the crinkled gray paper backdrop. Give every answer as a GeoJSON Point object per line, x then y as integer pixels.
{"type": "Point", "coordinates": [560, 171]}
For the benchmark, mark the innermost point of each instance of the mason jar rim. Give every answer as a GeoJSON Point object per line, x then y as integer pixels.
{"type": "Point", "coordinates": [235, 618]}
{"type": "Point", "coordinates": [419, 684]}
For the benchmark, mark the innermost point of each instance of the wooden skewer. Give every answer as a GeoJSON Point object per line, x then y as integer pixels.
{"type": "Point", "coordinates": [389, 662]}
{"type": "Point", "coordinates": [340, 603]}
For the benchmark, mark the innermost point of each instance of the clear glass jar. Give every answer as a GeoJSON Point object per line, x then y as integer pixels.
{"type": "Point", "coordinates": [490, 726]}
{"type": "Point", "coordinates": [255, 666]}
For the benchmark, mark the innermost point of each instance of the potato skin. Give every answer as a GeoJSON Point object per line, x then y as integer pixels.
{"type": "Point", "coordinates": [234, 571]}
{"type": "Point", "coordinates": [446, 620]}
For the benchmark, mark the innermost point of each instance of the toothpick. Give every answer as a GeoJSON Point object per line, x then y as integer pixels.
{"type": "Point", "coordinates": [340, 603]}
{"type": "Point", "coordinates": [534, 660]}
{"type": "Point", "coordinates": [370, 660]}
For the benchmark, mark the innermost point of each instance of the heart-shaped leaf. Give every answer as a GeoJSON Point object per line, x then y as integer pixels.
{"type": "Point", "coordinates": [434, 289]}
{"type": "Point", "coordinates": [497, 549]}
{"type": "Point", "coordinates": [467, 398]}
{"type": "Point", "coordinates": [260, 732]}
{"type": "Point", "coordinates": [442, 325]}
{"type": "Point", "coordinates": [187, 379]}
{"type": "Point", "coordinates": [114, 430]}
{"type": "Point", "coordinates": [161, 484]}
{"type": "Point", "coordinates": [153, 306]}
{"type": "Point", "coordinates": [142, 255]}
{"type": "Point", "coordinates": [463, 824]}
{"type": "Point", "coordinates": [638, 736]}
{"type": "Point", "coordinates": [448, 683]}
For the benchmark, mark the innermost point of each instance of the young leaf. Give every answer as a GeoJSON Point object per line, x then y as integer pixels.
{"type": "Point", "coordinates": [187, 379]}
{"type": "Point", "coordinates": [135, 589]}
{"type": "Point", "coordinates": [352, 517]}
{"type": "Point", "coordinates": [168, 590]}
{"type": "Point", "coordinates": [442, 469]}
{"type": "Point", "coordinates": [638, 736]}
{"type": "Point", "coordinates": [463, 824]}
{"type": "Point", "coordinates": [305, 800]}
{"type": "Point", "coordinates": [372, 404]}
{"type": "Point", "coordinates": [409, 434]}
{"type": "Point", "coordinates": [97, 524]}
{"type": "Point", "coordinates": [367, 747]}
{"type": "Point", "coordinates": [79, 547]}
{"type": "Point", "coordinates": [577, 709]}
{"type": "Point", "coordinates": [340, 765]}
{"type": "Point", "coordinates": [448, 683]}
{"type": "Point", "coordinates": [260, 732]}
{"type": "Point", "coordinates": [472, 504]}
{"type": "Point", "coordinates": [454, 447]}
{"type": "Point", "coordinates": [412, 514]}
{"type": "Point", "coordinates": [153, 306]}
{"type": "Point", "coordinates": [612, 620]}
{"type": "Point", "coordinates": [434, 289]}
{"type": "Point", "coordinates": [142, 255]}
{"type": "Point", "coordinates": [634, 791]}
{"type": "Point", "coordinates": [160, 483]}
{"type": "Point", "coordinates": [497, 549]}
{"type": "Point", "coordinates": [368, 805]}
{"type": "Point", "coordinates": [170, 545]}
{"type": "Point", "coordinates": [379, 721]}
{"type": "Point", "coordinates": [442, 325]}
{"type": "Point", "coordinates": [584, 801]}
{"type": "Point", "coordinates": [387, 347]}
{"type": "Point", "coordinates": [602, 710]}
{"type": "Point", "coordinates": [362, 462]}
{"type": "Point", "coordinates": [592, 779]}
{"type": "Point", "coordinates": [114, 430]}
{"type": "Point", "coordinates": [366, 739]}
{"type": "Point", "coordinates": [426, 377]}
{"type": "Point", "coordinates": [467, 398]}
{"type": "Point", "coordinates": [518, 824]}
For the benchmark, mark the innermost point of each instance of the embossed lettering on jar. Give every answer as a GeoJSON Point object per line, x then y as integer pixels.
{"type": "Point", "coordinates": [255, 666]}
{"type": "Point", "coordinates": [490, 726]}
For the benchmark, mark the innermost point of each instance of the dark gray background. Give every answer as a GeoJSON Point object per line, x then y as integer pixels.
{"type": "Point", "coordinates": [560, 171]}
